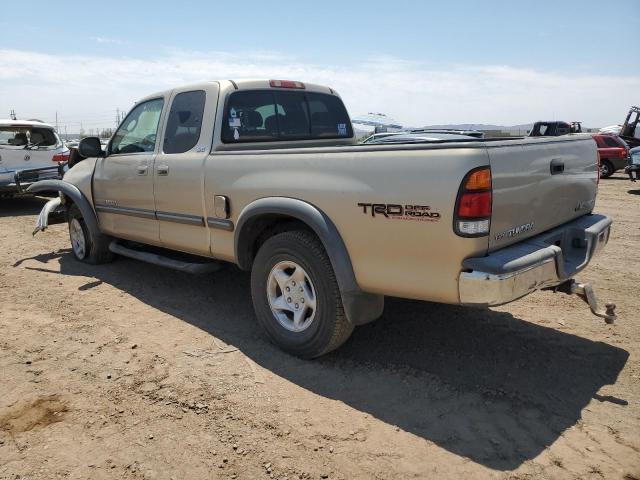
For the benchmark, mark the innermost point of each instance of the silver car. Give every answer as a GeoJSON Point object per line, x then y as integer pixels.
{"type": "Point", "coordinates": [29, 151]}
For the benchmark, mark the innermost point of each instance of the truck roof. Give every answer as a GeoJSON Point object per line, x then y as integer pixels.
{"type": "Point", "coordinates": [23, 123]}
{"type": "Point", "coordinates": [246, 84]}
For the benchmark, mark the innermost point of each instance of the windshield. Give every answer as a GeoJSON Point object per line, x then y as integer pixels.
{"type": "Point", "coordinates": [27, 136]}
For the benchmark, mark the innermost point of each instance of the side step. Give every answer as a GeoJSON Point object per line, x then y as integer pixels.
{"type": "Point", "coordinates": [165, 261]}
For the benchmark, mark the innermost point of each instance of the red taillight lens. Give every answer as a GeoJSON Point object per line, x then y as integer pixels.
{"type": "Point", "coordinates": [474, 205]}
{"type": "Point", "coordinates": [286, 84]}
{"type": "Point", "coordinates": [61, 157]}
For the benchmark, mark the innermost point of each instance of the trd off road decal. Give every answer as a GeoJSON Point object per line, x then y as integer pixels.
{"type": "Point", "coordinates": [394, 211]}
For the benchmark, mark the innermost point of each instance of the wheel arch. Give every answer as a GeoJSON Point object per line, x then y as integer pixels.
{"type": "Point", "coordinates": [265, 217]}
{"type": "Point", "coordinates": [75, 195]}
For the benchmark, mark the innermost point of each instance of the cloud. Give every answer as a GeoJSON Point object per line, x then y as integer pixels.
{"type": "Point", "coordinates": [414, 93]}
{"type": "Point", "coordinates": [107, 40]}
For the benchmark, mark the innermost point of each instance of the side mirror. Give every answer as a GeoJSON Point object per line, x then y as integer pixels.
{"type": "Point", "coordinates": [90, 147]}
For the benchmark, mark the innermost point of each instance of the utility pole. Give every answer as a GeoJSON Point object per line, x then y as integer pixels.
{"type": "Point", "coordinates": [56, 120]}
{"type": "Point", "coordinates": [13, 114]}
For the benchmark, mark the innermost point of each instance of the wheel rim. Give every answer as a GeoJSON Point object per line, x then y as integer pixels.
{"type": "Point", "coordinates": [604, 170]}
{"type": "Point", "coordinates": [292, 296]}
{"type": "Point", "coordinates": [77, 238]}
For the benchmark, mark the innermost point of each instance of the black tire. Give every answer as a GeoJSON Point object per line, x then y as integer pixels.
{"type": "Point", "coordinates": [606, 169]}
{"type": "Point", "coordinates": [96, 247]}
{"type": "Point", "coordinates": [329, 327]}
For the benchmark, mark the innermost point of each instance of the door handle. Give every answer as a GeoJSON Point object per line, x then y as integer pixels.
{"type": "Point", "coordinates": [142, 169]}
{"type": "Point", "coordinates": [163, 170]}
{"type": "Point", "coordinates": [557, 166]}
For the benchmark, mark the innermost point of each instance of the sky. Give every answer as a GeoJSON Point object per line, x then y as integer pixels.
{"type": "Point", "coordinates": [421, 63]}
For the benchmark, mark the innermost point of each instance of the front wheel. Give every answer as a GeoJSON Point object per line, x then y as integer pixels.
{"type": "Point", "coordinates": [296, 295]}
{"type": "Point", "coordinates": [86, 247]}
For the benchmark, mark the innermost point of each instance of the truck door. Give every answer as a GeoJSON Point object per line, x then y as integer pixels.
{"type": "Point", "coordinates": [179, 169]}
{"type": "Point", "coordinates": [123, 180]}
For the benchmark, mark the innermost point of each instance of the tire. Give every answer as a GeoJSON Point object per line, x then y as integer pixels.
{"type": "Point", "coordinates": [606, 169]}
{"type": "Point", "coordinates": [87, 248]}
{"type": "Point", "coordinates": [283, 260]}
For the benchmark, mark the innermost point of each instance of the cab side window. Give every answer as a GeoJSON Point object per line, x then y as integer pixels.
{"type": "Point", "coordinates": [139, 130]}
{"type": "Point", "coordinates": [184, 123]}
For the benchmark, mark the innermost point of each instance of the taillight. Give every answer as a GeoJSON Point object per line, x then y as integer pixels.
{"type": "Point", "coordinates": [473, 206]}
{"type": "Point", "coordinates": [61, 157]}
{"type": "Point", "coordinates": [286, 84]}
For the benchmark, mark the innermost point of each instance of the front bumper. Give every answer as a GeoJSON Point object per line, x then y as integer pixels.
{"type": "Point", "coordinates": [17, 181]}
{"type": "Point", "coordinates": [543, 261]}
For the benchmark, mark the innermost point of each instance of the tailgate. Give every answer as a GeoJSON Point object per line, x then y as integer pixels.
{"type": "Point", "coordinates": [540, 183]}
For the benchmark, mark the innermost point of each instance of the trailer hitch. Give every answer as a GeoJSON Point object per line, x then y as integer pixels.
{"type": "Point", "coordinates": [586, 293]}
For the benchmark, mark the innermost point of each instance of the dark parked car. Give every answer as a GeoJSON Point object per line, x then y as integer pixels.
{"type": "Point", "coordinates": [554, 129]}
{"type": "Point", "coordinates": [613, 153]}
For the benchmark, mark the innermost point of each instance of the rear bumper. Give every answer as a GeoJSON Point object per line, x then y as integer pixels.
{"type": "Point", "coordinates": [542, 261]}
{"type": "Point", "coordinates": [17, 181]}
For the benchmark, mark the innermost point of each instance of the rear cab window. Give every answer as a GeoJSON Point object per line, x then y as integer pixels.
{"type": "Point", "coordinates": [276, 115]}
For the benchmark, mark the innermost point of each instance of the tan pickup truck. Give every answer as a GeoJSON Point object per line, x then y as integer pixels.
{"type": "Point", "coordinates": [267, 175]}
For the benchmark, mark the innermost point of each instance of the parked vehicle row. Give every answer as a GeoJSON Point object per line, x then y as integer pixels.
{"type": "Point", "coordinates": [267, 175]}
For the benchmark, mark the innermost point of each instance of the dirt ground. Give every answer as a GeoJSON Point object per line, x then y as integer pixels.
{"type": "Point", "coordinates": [131, 371]}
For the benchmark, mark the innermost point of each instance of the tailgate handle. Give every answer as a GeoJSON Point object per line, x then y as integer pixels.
{"type": "Point", "coordinates": [557, 166]}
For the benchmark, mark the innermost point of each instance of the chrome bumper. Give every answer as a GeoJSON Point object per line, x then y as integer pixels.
{"type": "Point", "coordinates": [19, 180]}
{"type": "Point", "coordinates": [543, 261]}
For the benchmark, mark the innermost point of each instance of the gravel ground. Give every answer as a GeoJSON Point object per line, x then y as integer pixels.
{"type": "Point", "coordinates": [127, 370]}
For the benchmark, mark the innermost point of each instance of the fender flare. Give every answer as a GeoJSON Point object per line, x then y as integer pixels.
{"type": "Point", "coordinates": [360, 307]}
{"type": "Point", "coordinates": [71, 191]}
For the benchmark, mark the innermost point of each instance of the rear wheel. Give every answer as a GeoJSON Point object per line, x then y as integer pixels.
{"type": "Point", "coordinates": [86, 247]}
{"type": "Point", "coordinates": [606, 169]}
{"type": "Point", "coordinates": [296, 296]}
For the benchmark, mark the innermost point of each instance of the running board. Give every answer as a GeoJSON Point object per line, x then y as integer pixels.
{"type": "Point", "coordinates": [163, 261]}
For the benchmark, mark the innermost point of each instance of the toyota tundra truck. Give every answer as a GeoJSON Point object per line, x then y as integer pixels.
{"type": "Point", "coordinates": [267, 175]}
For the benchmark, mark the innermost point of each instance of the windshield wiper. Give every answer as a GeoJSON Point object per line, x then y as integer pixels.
{"type": "Point", "coordinates": [31, 146]}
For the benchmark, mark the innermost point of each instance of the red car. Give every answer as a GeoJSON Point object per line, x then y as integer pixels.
{"type": "Point", "coordinates": [613, 153]}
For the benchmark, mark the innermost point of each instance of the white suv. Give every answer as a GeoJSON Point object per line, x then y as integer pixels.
{"type": "Point", "coordinates": [29, 151]}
